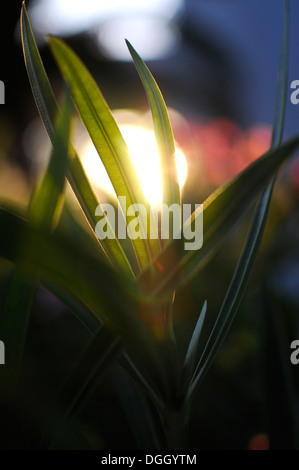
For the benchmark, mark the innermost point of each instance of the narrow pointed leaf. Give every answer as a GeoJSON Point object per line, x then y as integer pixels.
{"type": "Point", "coordinates": [281, 98]}
{"type": "Point", "coordinates": [189, 363]}
{"type": "Point", "coordinates": [163, 132]}
{"type": "Point", "coordinates": [143, 422]}
{"type": "Point", "coordinates": [245, 264]}
{"type": "Point", "coordinates": [47, 200]}
{"type": "Point", "coordinates": [232, 300]}
{"type": "Point", "coordinates": [48, 109]}
{"type": "Point", "coordinates": [139, 377]}
{"type": "Point", "coordinates": [107, 140]}
{"type": "Point", "coordinates": [175, 266]}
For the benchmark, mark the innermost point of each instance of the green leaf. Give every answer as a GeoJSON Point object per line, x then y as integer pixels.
{"type": "Point", "coordinates": [14, 326]}
{"type": "Point", "coordinates": [44, 211]}
{"type": "Point", "coordinates": [282, 89]}
{"type": "Point", "coordinates": [48, 109]}
{"type": "Point", "coordinates": [108, 141]}
{"type": "Point", "coordinates": [174, 266]}
{"type": "Point", "coordinates": [60, 261]}
{"type": "Point", "coordinates": [245, 264]}
{"type": "Point", "coordinates": [47, 200]}
{"type": "Point", "coordinates": [41, 88]}
{"type": "Point", "coordinates": [82, 380]}
{"type": "Point", "coordinates": [66, 267]}
{"type": "Point", "coordinates": [140, 378]}
{"type": "Point", "coordinates": [141, 417]}
{"type": "Point", "coordinates": [188, 368]}
{"type": "Point", "coordinates": [163, 132]}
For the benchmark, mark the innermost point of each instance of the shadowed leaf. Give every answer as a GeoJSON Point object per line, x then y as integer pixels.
{"type": "Point", "coordinates": [174, 266]}
{"type": "Point", "coordinates": [44, 211]}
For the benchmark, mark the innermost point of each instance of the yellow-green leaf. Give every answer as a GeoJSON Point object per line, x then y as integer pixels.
{"type": "Point", "coordinates": [108, 141]}
{"type": "Point", "coordinates": [48, 109]}
{"type": "Point", "coordinates": [163, 131]}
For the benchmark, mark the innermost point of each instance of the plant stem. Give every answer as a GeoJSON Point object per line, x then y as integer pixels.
{"type": "Point", "coordinates": [176, 428]}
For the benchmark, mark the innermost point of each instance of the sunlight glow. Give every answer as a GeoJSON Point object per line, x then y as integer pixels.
{"type": "Point", "coordinates": [148, 24]}
{"type": "Point", "coordinates": [153, 37]}
{"type": "Point", "coordinates": [144, 153]}
{"type": "Point", "coordinates": [75, 16]}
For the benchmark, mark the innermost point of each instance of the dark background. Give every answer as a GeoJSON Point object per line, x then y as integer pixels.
{"type": "Point", "coordinates": [226, 65]}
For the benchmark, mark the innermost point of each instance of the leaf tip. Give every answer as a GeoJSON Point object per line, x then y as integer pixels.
{"type": "Point", "coordinates": [23, 10]}
{"type": "Point", "coordinates": [130, 47]}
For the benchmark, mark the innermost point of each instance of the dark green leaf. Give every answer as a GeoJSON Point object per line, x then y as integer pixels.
{"type": "Point", "coordinates": [245, 264]}
{"type": "Point", "coordinates": [44, 211]}
{"type": "Point", "coordinates": [141, 417]}
{"type": "Point", "coordinates": [63, 265]}
{"type": "Point", "coordinates": [188, 368]}
{"type": "Point", "coordinates": [82, 380]}
{"type": "Point", "coordinates": [174, 266]}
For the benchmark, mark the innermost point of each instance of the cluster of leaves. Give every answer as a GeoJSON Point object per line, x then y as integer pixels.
{"type": "Point", "coordinates": [113, 289]}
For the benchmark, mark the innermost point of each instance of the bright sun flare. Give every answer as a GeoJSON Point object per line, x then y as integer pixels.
{"type": "Point", "coordinates": [144, 153]}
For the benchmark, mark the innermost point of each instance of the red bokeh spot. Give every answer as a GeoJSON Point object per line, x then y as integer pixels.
{"type": "Point", "coordinates": [220, 148]}
{"type": "Point", "coordinates": [294, 174]}
{"type": "Point", "coordinates": [259, 442]}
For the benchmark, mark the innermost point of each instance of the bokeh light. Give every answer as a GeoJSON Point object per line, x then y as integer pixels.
{"type": "Point", "coordinates": [145, 156]}
{"type": "Point", "coordinates": [149, 24]}
{"type": "Point", "coordinates": [259, 442]}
